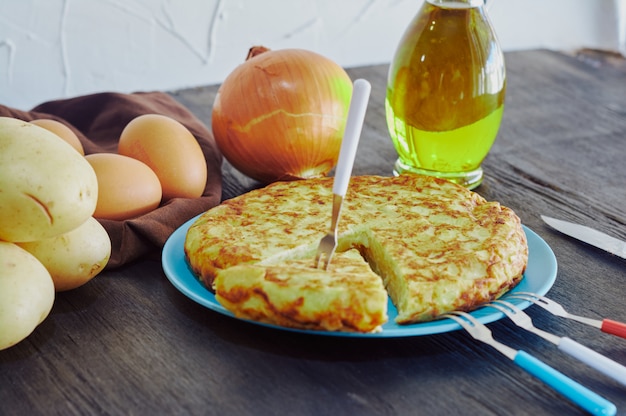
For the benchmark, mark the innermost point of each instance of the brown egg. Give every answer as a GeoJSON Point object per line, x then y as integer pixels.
{"type": "Point", "coordinates": [127, 187]}
{"type": "Point", "coordinates": [172, 152]}
{"type": "Point", "coordinates": [60, 130]}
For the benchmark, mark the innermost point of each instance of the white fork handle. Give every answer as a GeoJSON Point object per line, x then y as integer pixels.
{"type": "Point", "coordinates": [352, 134]}
{"type": "Point", "coordinates": [593, 359]}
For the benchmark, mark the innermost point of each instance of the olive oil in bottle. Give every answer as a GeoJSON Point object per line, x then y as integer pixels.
{"type": "Point", "coordinates": [445, 92]}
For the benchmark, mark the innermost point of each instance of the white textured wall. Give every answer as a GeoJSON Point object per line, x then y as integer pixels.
{"type": "Point", "coordinates": [61, 48]}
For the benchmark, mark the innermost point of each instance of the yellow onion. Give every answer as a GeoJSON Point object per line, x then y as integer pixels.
{"type": "Point", "coordinates": [281, 114]}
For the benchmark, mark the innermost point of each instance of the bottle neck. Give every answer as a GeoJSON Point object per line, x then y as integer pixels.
{"type": "Point", "coordinates": [457, 4]}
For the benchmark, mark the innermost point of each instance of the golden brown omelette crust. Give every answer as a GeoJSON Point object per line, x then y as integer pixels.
{"type": "Point", "coordinates": [437, 245]}
{"type": "Point", "coordinates": [354, 298]}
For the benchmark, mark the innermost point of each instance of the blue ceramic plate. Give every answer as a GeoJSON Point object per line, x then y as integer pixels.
{"type": "Point", "coordinates": [539, 278]}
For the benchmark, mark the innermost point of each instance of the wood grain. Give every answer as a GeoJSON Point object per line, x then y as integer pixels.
{"type": "Point", "coordinates": [129, 343]}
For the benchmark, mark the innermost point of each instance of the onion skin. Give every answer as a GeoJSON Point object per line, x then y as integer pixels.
{"type": "Point", "coordinates": [281, 115]}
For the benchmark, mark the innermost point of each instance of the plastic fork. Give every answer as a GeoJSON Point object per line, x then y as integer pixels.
{"type": "Point", "coordinates": [606, 325]}
{"type": "Point", "coordinates": [354, 124]}
{"type": "Point", "coordinates": [588, 356]}
{"type": "Point", "coordinates": [577, 393]}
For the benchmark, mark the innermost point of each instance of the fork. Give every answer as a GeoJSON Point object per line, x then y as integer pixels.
{"type": "Point", "coordinates": [577, 393]}
{"type": "Point", "coordinates": [606, 325]}
{"type": "Point", "coordinates": [588, 356]}
{"type": "Point", "coordinates": [354, 124]}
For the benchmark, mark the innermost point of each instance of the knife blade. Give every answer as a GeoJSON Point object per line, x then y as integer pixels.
{"type": "Point", "coordinates": [588, 235]}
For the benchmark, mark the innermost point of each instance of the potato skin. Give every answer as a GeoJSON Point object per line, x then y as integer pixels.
{"type": "Point", "coordinates": [26, 294]}
{"type": "Point", "coordinates": [46, 187]}
{"type": "Point", "coordinates": [73, 258]}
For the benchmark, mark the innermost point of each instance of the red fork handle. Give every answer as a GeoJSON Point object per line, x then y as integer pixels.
{"type": "Point", "coordinates": [614, 328]}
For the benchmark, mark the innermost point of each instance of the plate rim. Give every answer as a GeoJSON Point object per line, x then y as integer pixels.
{"type": "Point", "coordinates": [173, 262]}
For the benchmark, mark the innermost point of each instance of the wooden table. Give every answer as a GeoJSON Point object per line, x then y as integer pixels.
{"type": "Point", "coordinates": [130, 343]}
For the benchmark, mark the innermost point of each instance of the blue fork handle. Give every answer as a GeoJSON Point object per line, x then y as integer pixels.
{"type": "Point", "coordinates": [582, 396]}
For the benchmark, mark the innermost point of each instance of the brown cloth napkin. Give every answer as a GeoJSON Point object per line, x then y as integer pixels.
{"type": "Point", "coordinates": [98, 120]}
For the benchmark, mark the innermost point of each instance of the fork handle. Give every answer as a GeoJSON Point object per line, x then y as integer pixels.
{"type": "Point", "coordinates": [614, 328]}
{"type": "Point", "coordinates": [593, 359]}
{"type": "Point", "coordinates": [352, 133]}
{"type": "Point", "coordinates": [577, 393]}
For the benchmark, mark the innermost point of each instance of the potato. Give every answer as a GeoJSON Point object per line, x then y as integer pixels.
{"type": "Point", "coordinates": [26, 294]}
{"type": "Point", "coordinates": [46, 187]}
{"type": "Point", "coordinates": [73, 258]}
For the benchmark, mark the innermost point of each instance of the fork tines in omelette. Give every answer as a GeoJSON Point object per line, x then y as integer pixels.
{"type": "Point", "coordinates": [431, 245]}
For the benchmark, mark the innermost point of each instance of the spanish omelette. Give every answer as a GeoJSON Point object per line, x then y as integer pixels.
{"type": "Point", "coordinates": [433, 244]}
